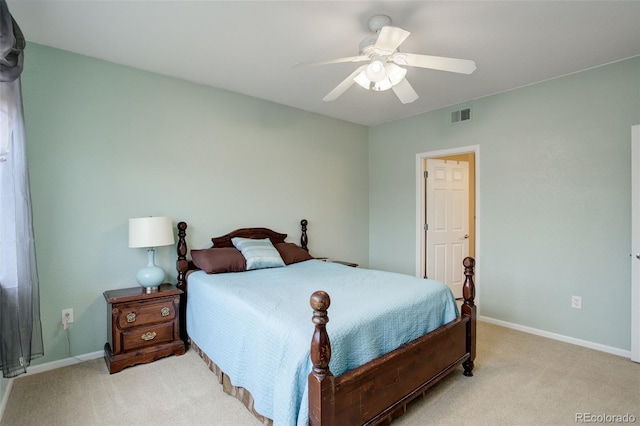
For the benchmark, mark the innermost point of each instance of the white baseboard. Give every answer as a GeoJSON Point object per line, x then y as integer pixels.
{"type": "Point", "coordinates": [585, 343]}
{"type": "Point", "coordinates": [41, 368]}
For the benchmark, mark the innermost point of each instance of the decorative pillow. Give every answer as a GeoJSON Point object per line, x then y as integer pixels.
{"type": "Point", "coordinates": [259, 254]}
{"type": "Point", "coordinates": [218, 260]}
{"type": "Point", "coordinates": [292, 253]}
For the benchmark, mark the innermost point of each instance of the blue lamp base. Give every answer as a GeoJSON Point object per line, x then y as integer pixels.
{"type": "Point", "coordinates": [151, 276]}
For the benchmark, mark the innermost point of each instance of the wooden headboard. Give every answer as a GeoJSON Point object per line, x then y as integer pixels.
{"type": "Point", "coordinates": [183, 265]}
{"type": "Point", "coordinates": [254, 233]}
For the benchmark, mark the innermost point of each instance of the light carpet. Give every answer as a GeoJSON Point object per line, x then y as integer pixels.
{"type": "Point", "coordinates": [519, 379]}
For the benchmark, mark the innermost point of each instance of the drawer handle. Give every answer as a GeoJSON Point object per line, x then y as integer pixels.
{"type": "Point", "coordinates": [131, 317]}
{"type": "Point", "coordinates": [149, 335]}
{"type": "Point", "coordinates": [165, 311]}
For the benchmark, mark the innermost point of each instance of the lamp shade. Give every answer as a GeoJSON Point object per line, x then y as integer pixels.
{"type": "Point", "coordinates": [150, 231]}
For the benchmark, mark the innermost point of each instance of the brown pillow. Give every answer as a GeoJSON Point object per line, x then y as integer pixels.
{"type": "Point", "coordinates": [292, 253]}
{"type": "Point", "coordinates": [218, 260]}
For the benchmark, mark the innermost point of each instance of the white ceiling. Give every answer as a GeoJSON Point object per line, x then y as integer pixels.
{"type": "Point", "coordinates": [250, 47]}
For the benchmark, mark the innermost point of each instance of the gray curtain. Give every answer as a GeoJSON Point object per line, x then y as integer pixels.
{"type": "Point", "coordinates": [20, 327]}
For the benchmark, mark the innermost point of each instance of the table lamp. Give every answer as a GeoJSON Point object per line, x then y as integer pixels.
{"type": "Point", "coordinates": [150, 232]}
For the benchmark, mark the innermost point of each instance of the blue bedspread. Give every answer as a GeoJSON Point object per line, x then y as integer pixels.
{"type": "Point", "coordinates": [256, 325]}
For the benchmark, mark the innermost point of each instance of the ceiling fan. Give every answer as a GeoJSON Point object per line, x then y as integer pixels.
{"type": "Point", "coordinates": [384, 68]}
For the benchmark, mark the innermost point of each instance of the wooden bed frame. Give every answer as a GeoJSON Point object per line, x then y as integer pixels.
{"type": "Point", "coordinates": [378, 391]}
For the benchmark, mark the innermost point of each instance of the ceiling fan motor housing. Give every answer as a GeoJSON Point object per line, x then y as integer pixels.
{"type": "Point", "coordinates": [376, 22]}
{"type": "Point", "coordinates": [367, 45]}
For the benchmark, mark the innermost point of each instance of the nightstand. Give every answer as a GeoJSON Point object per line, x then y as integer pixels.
{"type": "Point", "coordinates": [142, 327]}
{"type": "Point", "coordinates": [342, 262]}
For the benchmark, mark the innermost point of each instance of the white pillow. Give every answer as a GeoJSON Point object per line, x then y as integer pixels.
{"type": "Point", "coordinates": [259, 254]}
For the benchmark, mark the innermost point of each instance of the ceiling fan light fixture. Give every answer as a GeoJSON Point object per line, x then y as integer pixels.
{"type": "Point", "coordinates": [379, 86]}
{"type": "Point", "coordinates": [376, 70]}
{"type": "Point", "coordinates": [395, 73]}
{"type": "Point", "coordinates": [362, 80]}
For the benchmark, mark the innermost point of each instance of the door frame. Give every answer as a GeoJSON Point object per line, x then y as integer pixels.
{"type": "Point", "coordinates": [635, 243]}
{"type": "Point", "coordinates": [420, 202]}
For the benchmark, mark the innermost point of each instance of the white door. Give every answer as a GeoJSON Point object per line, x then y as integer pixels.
{"type": "Point", "coordinates": [447, 221]}
{"type": "Point", "coordinates": [635, 243]}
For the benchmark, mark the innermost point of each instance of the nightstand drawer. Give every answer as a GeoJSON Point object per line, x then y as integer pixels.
{"type": "Point", "coordinates": [139, 314]}
{"type": "Point", "coordinates": [141, 337]}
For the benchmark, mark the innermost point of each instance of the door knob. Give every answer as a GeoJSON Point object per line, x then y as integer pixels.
{"type": "Point", "coordinates": [467, 236]}
{"type": "Point", "coordinates": [637, 255]}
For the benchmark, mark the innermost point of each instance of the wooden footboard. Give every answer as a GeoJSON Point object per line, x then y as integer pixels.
{"type": "Point", "coordinates": [378, 391]}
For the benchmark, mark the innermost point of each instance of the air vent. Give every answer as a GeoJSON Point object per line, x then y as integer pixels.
{"type": "Point", "coordinates": [461, 115]}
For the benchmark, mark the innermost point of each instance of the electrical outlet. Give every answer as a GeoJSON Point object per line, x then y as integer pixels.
{"type": "Point", "coordinates": [67, 316]}
{"type": "Point", "coordinates": [576, 302]}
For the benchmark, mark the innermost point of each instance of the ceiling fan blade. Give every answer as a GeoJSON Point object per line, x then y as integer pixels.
{"type": "Point", "coordinates": [404, 91]}
{"type": "Point", "coordinates": [332, 61]}
{"type": "Point", "coordinates": [343, 86]}
{"type": "Point", "coordinates": [390, 38]}
{"type": "Point", "coordinates": [462, 66]}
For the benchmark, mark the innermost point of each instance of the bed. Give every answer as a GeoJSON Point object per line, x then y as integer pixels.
{"type": "Point", "coordinates": [381, 350]}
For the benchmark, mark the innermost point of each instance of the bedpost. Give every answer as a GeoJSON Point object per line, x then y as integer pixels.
{"type": "Point", "coordinates": [469, 310]}
{"type": "Point", "coordinates": [321, 381]}
{"type": "Point", "coordinates": [304, 241]}
{"type": "Point", "coordinates": [182, 264]}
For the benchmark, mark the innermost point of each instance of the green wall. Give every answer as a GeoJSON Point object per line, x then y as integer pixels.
{"type": "Point", "coordinates": [555, 199]}
{"type": "Point", "coordinates": [107, 143]}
